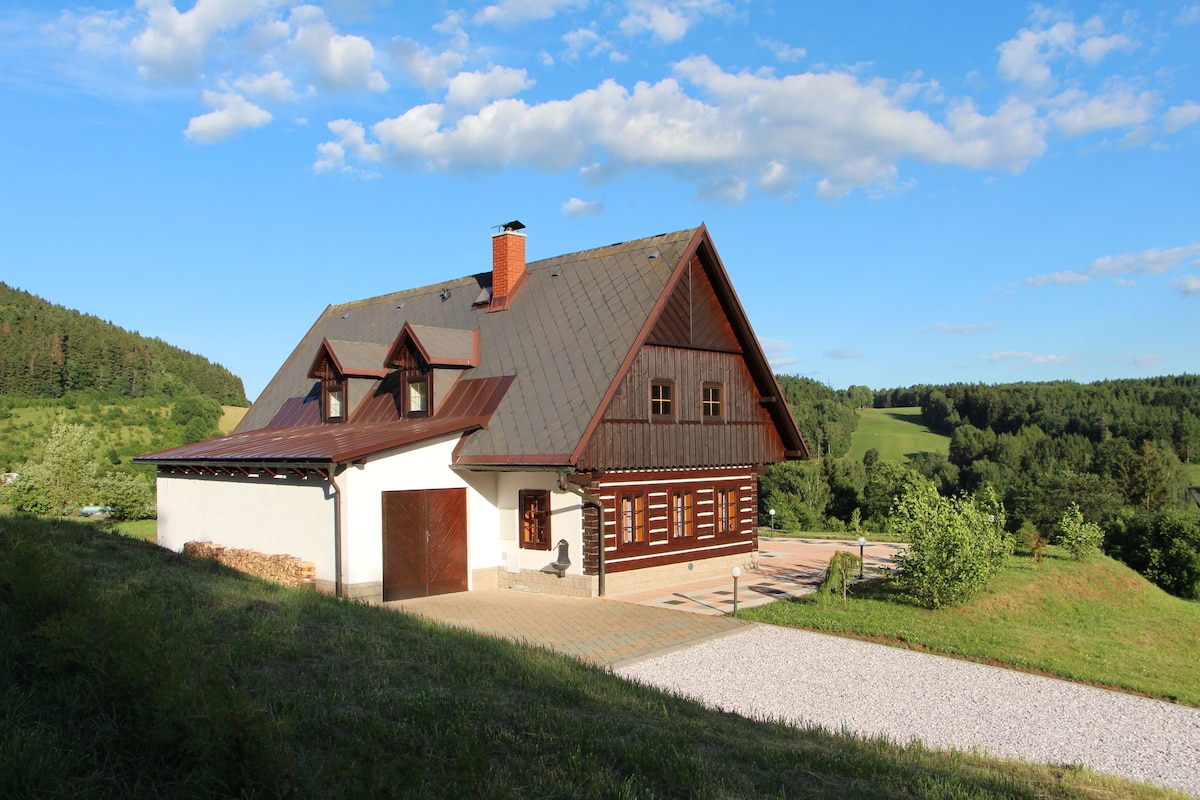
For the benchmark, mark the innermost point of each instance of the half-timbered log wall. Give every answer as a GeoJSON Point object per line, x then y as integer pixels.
{"type": "Point", "coordinates": [662, 545]}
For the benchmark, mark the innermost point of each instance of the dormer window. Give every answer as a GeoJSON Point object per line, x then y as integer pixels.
{"type": "Point", "coordinates": [345, 370]}
{"type": "Point", "coordinates": [418, 396]}
{"type": "Point", "coordinates": [335, 403]}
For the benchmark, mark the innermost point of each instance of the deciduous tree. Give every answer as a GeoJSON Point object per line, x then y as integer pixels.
{"type": "Point", "coordinates": [956, 544]}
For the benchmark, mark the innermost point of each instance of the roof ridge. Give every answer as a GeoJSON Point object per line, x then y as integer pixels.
{"type": "Point", "coordinates": [434, 288]}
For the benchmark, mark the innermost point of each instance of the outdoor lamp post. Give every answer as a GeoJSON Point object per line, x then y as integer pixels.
{"type": "Point", "coordinates": [772, 513]}
{"type": "Point", "coordinates": [736, 572]}
{"type": "Point", "coordinates": [862, 543]}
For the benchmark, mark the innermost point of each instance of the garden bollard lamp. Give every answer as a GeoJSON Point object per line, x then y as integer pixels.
{"type": "Point", "coordinates": [736, 572]}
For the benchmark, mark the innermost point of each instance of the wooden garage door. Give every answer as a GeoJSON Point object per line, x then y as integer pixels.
{"type": "Point", "coordinates": [424, 543]}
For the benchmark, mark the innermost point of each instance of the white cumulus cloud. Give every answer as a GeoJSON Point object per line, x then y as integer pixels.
{"type": "Point", "coordinates": [425, 68]}
{"type": "Point", "coordinates": [513, 12]}
{"type": "Point", "coordinates": [586, 41]}
{"type": "Point", "coordinates": [232, 113]}
{"type": "Point", "coordinates": [778, 352]}
{"type": "Point", "coordinates": [1027, 57]}
{"type": "Point", "coordinates": [1081, 114]}
{"type": "Point", "coordinates": [471, 90]}
{"type": "Point", "coordinates": [174, 44]}
{"type": "Point", "coordinates": [340, 61]}
{"type": "Point", "coordinates": [669, 20]}
{"type": "Point", "coordinates": [273, 86]}
{"type": "Point", "coordinates": [1094, 49]}
{"type": "Point", "coordinates": [1147, 262]}
{"type": "Point", "coordinates": [1188, 285]}
{"type": "Point", "coordinates": [1179, 117]}
{"type": "Point", "coordinates": [721, 131]}
{"type": "Point", "coordinates": [581, 208]}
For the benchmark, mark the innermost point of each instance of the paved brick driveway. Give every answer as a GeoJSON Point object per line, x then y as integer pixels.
{"type": "Point", "coordinates": [602, 631]}
{"type": "Point", "coordinates": [619, 630]}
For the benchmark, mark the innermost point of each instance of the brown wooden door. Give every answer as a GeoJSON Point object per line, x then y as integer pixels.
{"type": "Point", "coordinates": [424, 543]}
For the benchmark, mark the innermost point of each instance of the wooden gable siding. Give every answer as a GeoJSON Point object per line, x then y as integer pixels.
{"type": "Point", "coordinates": [693, 316]}
{"type": "Point", "coordinates": [627, 439]}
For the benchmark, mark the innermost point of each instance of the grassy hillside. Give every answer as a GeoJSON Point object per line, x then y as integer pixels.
{"type": "Point", "coordinates": [230, 417]}
{"type": "Point", "coordinates": [127, 670]}
{"type": "Point", "coordinates": [895, 433]}
{"type": "Point", "coordinates": [122, 429]}
{"type": "Point", "coordinates": [1095, 621]}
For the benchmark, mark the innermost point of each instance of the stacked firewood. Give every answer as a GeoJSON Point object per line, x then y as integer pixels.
{"type": "Point", "coordinates": [288, 570]}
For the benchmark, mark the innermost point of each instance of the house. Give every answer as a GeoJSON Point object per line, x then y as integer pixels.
{"type": "Point", "coordinates": [586, 424]}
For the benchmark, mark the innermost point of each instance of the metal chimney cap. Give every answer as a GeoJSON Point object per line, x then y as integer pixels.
{"type": "Point", "coordinates": [515, 225]}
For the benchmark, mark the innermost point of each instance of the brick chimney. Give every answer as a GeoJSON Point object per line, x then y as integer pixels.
{"type": "Point", "coordinates": [508, 263]}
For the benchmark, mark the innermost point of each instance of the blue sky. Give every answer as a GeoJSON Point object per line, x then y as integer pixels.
{"type": "Point", "coordinates": [918, 192]}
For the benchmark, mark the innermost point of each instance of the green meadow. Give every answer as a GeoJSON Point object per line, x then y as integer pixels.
{"type": "Point", "coordinates": [895, 433]}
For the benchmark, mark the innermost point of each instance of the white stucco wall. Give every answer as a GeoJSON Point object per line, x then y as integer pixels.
{"type": "Point", "coordinates": [297, 516]}
{"type": "Point", "coordinates": [288, 516]}
{"type": "Point", "coordinates": [424, 466]}
{"type": "Point", "coordinates": [566, 522]}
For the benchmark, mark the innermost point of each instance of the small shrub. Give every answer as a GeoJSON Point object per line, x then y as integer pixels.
{"type": "Point", "coordinates": [841, 571]}
{"type": "Point", "coordinates": [1079, 538]}
{"type": "Point", "coordinates": [1035, 543]}
{"type": "Point", "coordinates": [127, 496]}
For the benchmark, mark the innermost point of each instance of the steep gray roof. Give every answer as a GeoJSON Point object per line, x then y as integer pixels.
{"type": "Point", "coordinates": [564, 337]}
{"type": "Point", "coordinates": [358, 358]}
{"type": "Point", "coordinates": [444, 345]}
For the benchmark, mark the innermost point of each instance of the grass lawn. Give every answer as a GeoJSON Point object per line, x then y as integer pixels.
{"type": "Point", "coordinates": [895, 433]}
{"type": "Point", "coordinates": [146, 529]}
{"type": "Point", "coordinates": [1095, 621]}
{"type": "Point", "coordinates": [838, 536]}
{"type": "Point", "coordinates": [131, 671]}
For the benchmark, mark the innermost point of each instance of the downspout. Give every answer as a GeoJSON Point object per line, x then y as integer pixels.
{"type": "Point", "coordinates": [339, 589]}
{"type": "Point", "coordinates": [589, 500]}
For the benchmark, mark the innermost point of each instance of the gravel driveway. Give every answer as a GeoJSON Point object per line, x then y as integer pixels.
{"type": "Point", "coordinates": [812, 678]}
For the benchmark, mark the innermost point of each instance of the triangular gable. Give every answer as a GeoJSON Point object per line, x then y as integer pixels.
{"type": "Point", "coordinates": [693, 315]}
{"type": "Point", "coordinates": [701, 259]}
{"type": "Point", "coordinates": [337, 359]}
{"type": "Point", "coordinates": [437, 347]}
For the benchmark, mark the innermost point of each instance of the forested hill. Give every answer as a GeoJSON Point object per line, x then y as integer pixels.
{"type": "Point", "coordinates": [1165, 410]}
{"type": "Point", "coordinates": [47, 350]}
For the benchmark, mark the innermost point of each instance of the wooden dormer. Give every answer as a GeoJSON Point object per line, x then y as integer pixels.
{"type": "Point", "coordinates": [430, 361]}
{"type": "Point", "coordinates": [347, 372]}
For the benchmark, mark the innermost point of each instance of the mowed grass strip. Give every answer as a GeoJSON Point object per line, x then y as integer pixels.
{"type": "Point", "coordinates": [1095, 621]}
{"type": "Point", "coordinates": [895, 433]}
{"type": "Point", "coordinates": [130, 671]}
